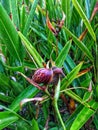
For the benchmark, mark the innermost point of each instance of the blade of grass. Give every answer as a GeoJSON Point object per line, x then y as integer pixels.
{"type": "Point", "coordinates": [6, 119]}
{"type": "Point", "coordinates": [69, 64]}
{"type": "Point", "coordinates": [87, 7]}
{"type": "Point", "coordinates": [19, 68]}
{"type": "Point", "coordinates": [22, 18]}
{"type": "Point", "coordinates": [31, 50]}
{"type": "Point", "coordinates": [35, 124]}
{"type": "Point", "coordinates": [84, 115]}
{"type": "Point", "coordinates": [56, 97]}
{"type": "Point", "coordinates": [14, 12]}
{"type": "Point", "coordinates": [17, 88]}
{"type": "Point", "coordinates": [27, 93]}
{"type": "Point", "coordinates": [4, 81]}
{"type": "Point", "coordinates": [71, 76]}
{"type": "Point", "coordinates": [76, 97]}
{"type": "Point", "coordinates": [79, 44]}
{"type": "Point", "coordinates": [30, 17]}
{"type": "Point", "coordinates": [6, 5]}
{"type": "Point", "coordinates": [83, 16]}
{"type": "Point", "coordinates": [39, 33]}
{"type": "Point", "coordinates": [70, 120]}
{"type": "Point", "coordinates": [62, 56]}
{"type": "Point", "coordinates": [9, 35]}
{"type": "Point", "coordinates": [5, 98]}
{"type": "Point", "coordinates": [13, 113]}
{"type": "Point", "coordinates": [66, 7]}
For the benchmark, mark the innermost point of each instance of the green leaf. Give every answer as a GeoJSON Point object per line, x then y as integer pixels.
{"type": "Point", "coordinates": [62, 56]}
{"type": "Point", "coordinates": [28, 92]}
{"type": "Point", "coordinates": [4, 81]}
{"type": "Point", "coordinates": [22, 17]}
{"type": "Point", "coordinates": [84, 115]}
{"type": "Point", "coordinates": [76, 97]}
{"type": "Point", "coordinates": [66, 7]}
{"type": "Point", "coordinates": [71, 76]}
{"type": "Point", "coordinates": [87, 7]}
{"type": "Point", "coordinates": [31, 50]}
{"type": "Point", "coordinates": [6, 118]}
{"type": "Point", "coordinates": [8, 112]}
{"type": "Point", "coordinates": [18, 68]}
{"type": "Point", "coordinates": [39, 33]}
{"type": "Point", "coordinates": [14, 12]}
{"type": "Point", "coordinates": [6, 5]}
{"type": "Point", "coordinates": [23, 125]}
{"type": "Point", "coordinates": [16, 87]}
{"type": "Point", "coordinates": [80, 44]}
{"type": "Point", "coordinates": [5, 98]}
{"type": "Point", "coordinates": [30, 17]}
{"type": "Point", "coordinates": [9, 35]}
{"type": "Point", "coordinates": [87, 96]}
{"type": "Point", "coordinates": [56, 97]}
{"type": "Point", "coordinates": [96, 120]}
{"type": "Point", "coordinates": [83, 16]}
{"type": "Point", "coordinates": [70, 120]}
{"type": "Point", "coordinates": [35, 124]}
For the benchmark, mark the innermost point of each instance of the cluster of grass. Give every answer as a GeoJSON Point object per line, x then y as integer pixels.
{"type": "Point", "coordinates": [30, 35]}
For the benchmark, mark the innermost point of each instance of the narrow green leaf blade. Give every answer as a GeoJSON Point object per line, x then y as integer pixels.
{"type": "Point", "coordinates": [27, 93]}
{"type": "Point", "coordinates": [14, 12]}
{"type": "Point", "coordinates": [22, 18]}
{"type": "Point", "coordinates": [55, 104]}
{"type": "Point", "coordinates": [66, 7]}
{"type": "Point", "coordinates": [70, 120]}
{"type": "Point", "coordinates": [6, 5]}
{"type": "Point", "coordinates": [83, 16]}
{"type": "Point", "coordinates": [77, 98]}
{"type": "Point", "coordinates": [4, 81]}
{"type": "Point", "coordinates": [31, 50]}
{"type": "Point", "coordinates": [9, 35]}
{"type": "Point", "coordinates": [35, 124]}
{"type": "Point", "coordinates": [62, 56]}
{"type": "Point", "coordinates": [96, 120]}
{"type": "Point", "coordinates": [30, 17]}
{"type": "Point", "coordinates": [71, 76]}
{"type": "Point", "coordinates": [87, 7]}
{"type": "Point", "coordinates": [6, 99]}
{"type": "Point", "coordinates": [84, 115]}
{"type": "Point", "coordinates": [79, 44]}
{"type": "Point", "coordinates": [7, 118]}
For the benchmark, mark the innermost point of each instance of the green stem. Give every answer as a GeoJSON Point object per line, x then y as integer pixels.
{"type": "Point", "coordinates": [96, 63]}
{"type": "Point", "coordinates": [55, 99]}
{"type": "Point", "coordinates": [58, 113]}
{"type": "Point", "coordinates": [47, 92]}
{"type": "Point", "coordinates": [73, 89]}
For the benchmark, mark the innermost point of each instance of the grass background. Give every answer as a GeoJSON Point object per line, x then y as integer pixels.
{"type": "Point", "coordinates": [26, 42]}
